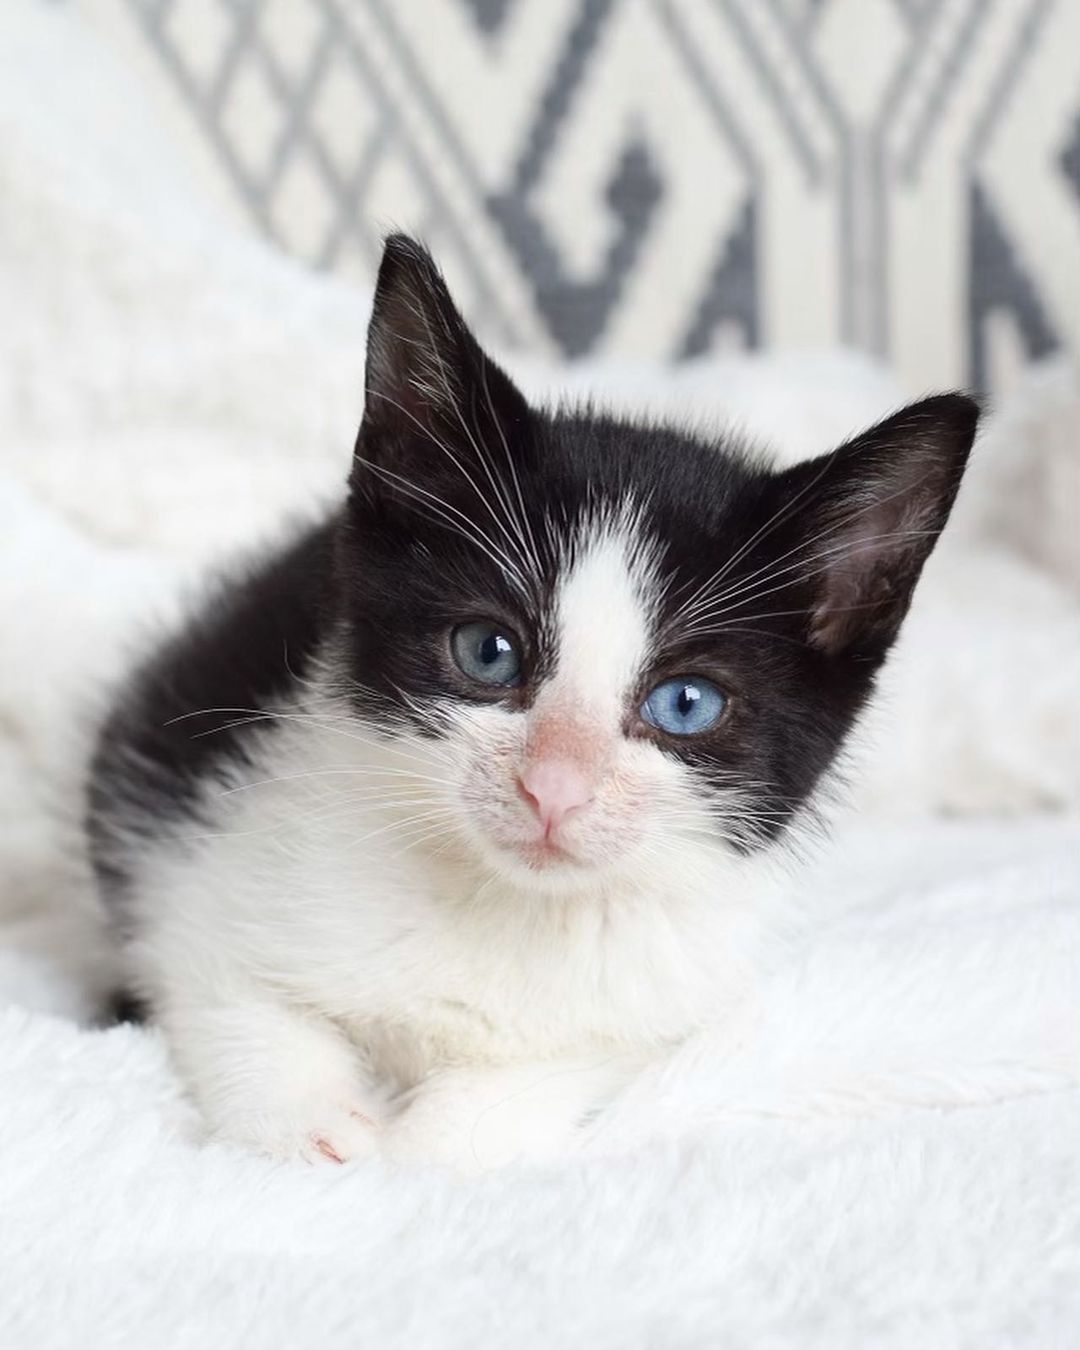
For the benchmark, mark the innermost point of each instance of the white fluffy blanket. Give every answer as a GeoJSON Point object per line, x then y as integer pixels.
{"type": "Point", "coordinates": [891, 1154]}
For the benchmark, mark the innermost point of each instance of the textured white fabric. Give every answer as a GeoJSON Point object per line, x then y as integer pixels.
{"type": "Point", "coordinates": [889, 1159]}
{"type": "Point", "coordinates": [887, 1152]}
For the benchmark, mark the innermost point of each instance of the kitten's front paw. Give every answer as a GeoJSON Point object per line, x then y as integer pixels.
{"type": "Point", "coordinates": [318, 1132]}
{"type": "Point", "coordinates": [471, 1140]}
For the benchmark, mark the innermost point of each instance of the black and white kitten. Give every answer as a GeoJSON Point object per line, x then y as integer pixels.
{"type": "Point", "coordinates": [441, 819]}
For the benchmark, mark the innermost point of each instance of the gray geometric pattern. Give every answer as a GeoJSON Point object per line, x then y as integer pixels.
{"type": "Point", "coordinates": [999, 282]}
{"type": "Point", "coordinates": [576, 312]}
{"type": "Point", "coordinates": [489, 14]}
{"type": "Point", "coordinates": [729, 292]}
{"type": "Point", "coordinates": [666, 176]}
{"type": "Point", "coordinates": [1070, 160]}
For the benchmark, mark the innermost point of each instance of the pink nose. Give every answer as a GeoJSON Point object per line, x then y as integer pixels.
{"type": "Point", "coordinates": [554, 788]}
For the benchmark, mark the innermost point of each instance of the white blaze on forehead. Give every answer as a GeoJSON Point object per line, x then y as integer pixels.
{"type": "Point", "coordinates": [604, 616]}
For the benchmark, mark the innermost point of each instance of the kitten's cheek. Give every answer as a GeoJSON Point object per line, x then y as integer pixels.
{"type": "Point", "coordinates": [605, 832]}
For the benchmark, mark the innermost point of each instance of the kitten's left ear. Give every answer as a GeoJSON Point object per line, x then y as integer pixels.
{"type": "Point", "coordinates": [868, 516]}
{"type": "Point", "coordinates": [431, 394]}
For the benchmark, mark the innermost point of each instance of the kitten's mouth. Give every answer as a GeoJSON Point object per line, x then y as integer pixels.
{"type": "Point", "coordinates": [541, 854]}
{"type": "Point", "coordinates": [547, 852]}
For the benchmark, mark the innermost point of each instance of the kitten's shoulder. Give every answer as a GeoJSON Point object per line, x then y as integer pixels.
{"type": "Point", "coordinates": [186, 711]}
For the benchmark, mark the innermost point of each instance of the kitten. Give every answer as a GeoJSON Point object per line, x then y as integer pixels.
{"type": "Point", "coordinates": [429, 829]}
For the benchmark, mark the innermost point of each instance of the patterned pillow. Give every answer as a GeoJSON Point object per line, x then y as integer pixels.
{"type": "Point", "coordinates": [664, 177]}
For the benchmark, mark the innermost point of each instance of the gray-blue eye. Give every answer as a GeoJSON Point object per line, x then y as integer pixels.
{"type": "Point", "coordinates": [486, 653]}
{"type": "Point", "coordinates": [684, 706]}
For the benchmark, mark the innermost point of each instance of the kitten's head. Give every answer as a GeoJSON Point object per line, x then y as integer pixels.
{"type": "Point", "coordinates": [623, 646]}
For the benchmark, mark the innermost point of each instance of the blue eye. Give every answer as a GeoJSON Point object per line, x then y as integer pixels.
{"type": "Point", "coordinates": [684, 706]}
{"type": "Point", "coordinates": [485, 652]}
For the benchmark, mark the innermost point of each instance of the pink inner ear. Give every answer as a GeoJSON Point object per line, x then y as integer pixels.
{"type": "Point", "coordinates": [410, 383]}
{"type": "Point", "coordinates": [870, 513]}
{"type": "Point", "coordinates": [871, 561]}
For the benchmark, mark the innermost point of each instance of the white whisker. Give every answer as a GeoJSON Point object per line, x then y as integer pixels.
{"type": "Point", "coordinates": [458, 521]}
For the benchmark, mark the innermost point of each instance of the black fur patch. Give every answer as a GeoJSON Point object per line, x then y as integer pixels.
{"type": "Point", "coordinates": [187, 711]}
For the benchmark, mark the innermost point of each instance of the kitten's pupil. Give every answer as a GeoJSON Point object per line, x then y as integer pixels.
{"type": "Point", "coordinates": [493, 647]}
{"type": "Point", "coordinates": [687, 698]}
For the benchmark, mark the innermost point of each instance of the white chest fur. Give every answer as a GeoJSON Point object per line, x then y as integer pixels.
{"type": "Point", "coordinates": [304, 884]}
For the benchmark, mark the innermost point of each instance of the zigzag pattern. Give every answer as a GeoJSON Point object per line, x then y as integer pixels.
{"type": "Point", "coordinates": [664, 177]}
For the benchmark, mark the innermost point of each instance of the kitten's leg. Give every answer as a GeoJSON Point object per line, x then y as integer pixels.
{"type": "Point", "coordinates": [479, 1118]}
{"type": "Point", "coordinates": [277, 1080]}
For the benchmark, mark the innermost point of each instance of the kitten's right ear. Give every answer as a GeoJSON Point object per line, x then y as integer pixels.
{"type": "Point", "coordinates": [434, 402]}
